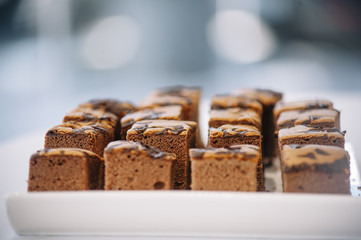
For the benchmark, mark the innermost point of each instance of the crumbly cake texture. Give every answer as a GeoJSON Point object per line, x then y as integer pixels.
{"type": "Point", "coordinates": [227, 135]}
{"type": "Point", "coordinates": [311, 135]}
{"type": "Point", "coordinates": [315, 169]}
{"type": "Point", "coordinates": [85, 135]}
{"type": "Point", "coordinates": [324, 118]}
{"type": "Point", "coordinates": [65, 169]}
{"type": "Point", "coordinates": [233, 101]}
{"type": "Point", "coordinates": [169, 136]}
{"type": "Point", "coordinates": [132, 166]}
{"type": "Point", "coordinates": [153, 101]}
{"type": "Point", "coordinates": [165, 113]}
{"type": "Point", "coordinates": [225, 169]}
{"type": "Point", "coordinates": [119, 108]}
{"type": "Point", "coordinates": [234, 116]}
{"type": "Point", "coordinates": [268, 99]}
{"type": "Point", "coordinates": [282, 106]}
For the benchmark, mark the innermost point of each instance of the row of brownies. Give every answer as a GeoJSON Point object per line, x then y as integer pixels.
{"type": "Point", "coordinates": [113, 145]}
{"type": "Point", "coordinates": [152, 146]}
{"type": "Point", "coordinates": [311, 146]}
{"type": "Point", "coordinates": [240, 141]}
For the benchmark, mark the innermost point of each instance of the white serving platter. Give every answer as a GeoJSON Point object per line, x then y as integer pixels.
{"type": "Point", "coordinates": [191, 213]}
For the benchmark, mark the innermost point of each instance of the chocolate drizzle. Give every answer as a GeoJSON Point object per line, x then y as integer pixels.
{"type": "Point", "coordinates": [308, 155]}
{"type": "Point", "coordinates": [321, 152]}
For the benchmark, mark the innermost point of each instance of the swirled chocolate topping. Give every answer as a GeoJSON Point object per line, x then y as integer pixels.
{"type": "Point", "coordinates": [157, 127]}
{"type": "Point", "coordinates": [240, 152]}
{"type": "Point", "coordinates": [135, 147]}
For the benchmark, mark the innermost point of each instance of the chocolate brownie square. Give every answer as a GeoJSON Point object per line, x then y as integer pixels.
{"type": "Point", "coordinates": [119, 108]}
{"type": "Point", "coordinates": [282, 106]}
{"type": "Point", "coordinates": [132, 166]}
{"type": "Point", "coordinates": [268, 99]}
{"type": "Point", "coordinates": [169, 136]}
{"type": "Point", "coordinates": [315, 169]}
{"type": "Point", "coordinates": [192, 93]}
{"type": "Point", "coordinates": [324, 118]}
{"type": "Point", "coordinates": [225, 169]}
{"type": "Point", "coordinates": [165, 113]}
{"type": "Point", "coordinates": [234, 116]}
{"type": "Point", "coordinates": [311, 135]}
{"type": "Point", "coordinates": [228, 135]}
{"type": "Point", "coordinates": [89, 115]}
{"type": "Point", "coordinates": [65, 169]}
{"type": "Point", "coordinates": [85, 135]}
{"type": "Point", "coordinates": [153, 101]}
{"type": "Point", "coordinates": [233, 101]}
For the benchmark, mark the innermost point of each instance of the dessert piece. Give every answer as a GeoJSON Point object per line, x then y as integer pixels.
{"type": "Point", "coordinates": [119, 108]}
{"type": "Point", "coordinates": [311, 135]}
{"type": "Point", "coordinates": [234, 116]}
{"type": "Point", "coordinates": [315, 169]}
{"type": "Point", "coordinates": [225, 169]}
{"type": "Point", "coordinates": [132, 166]}
{"type": "Point", "coordinates": [227, 135]}
{"type": "Point", "coordinates": [233, 101]}
{"type": "Point", "coordinates": [324, 118]}
{"type": "Point", "coordinates": [300, 105]}
{"type": "Point", "coordinates": [89, 115]}
{"type": "Point", "coordinates": [192, 93]}
{"type": "Point", "coordinates": [159, 101]}
{"type": "Point", "coordinates": [169, 136]}
{"type": "Point", "coordinates": [166, 113]}
{"type": "Point", "coordinates": [268, 99]}
{"type": "Point", "coordinates": [65, 169]}
{"type": "Point", "coordinates": [85, 135]}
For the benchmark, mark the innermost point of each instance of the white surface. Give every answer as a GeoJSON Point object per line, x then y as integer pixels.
{"type": "Point", "coordinates": [185, 213]}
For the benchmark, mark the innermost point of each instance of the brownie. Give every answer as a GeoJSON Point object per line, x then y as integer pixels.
{"type": "Point", "coordinates": [169, 136]}
{"type": "Point", "coordinates": [225, 169]}
{"type": "Point", "coordinates": [86, 115]}
{"type": "Point", "coordinates": [282, 106]}
{"type": "Point", "coordinates": [315, 169]}
{"type": "Point", "coordinates": [85, 135]}
{"type": "Point", "coordinates": [234, 116]}
{"type": "Point", "coordinates": [192, 93]}
{"type": "Point", "coordinates": [324, 118]}
{"type": "Point", "coordinates": [166, 113]}
{"type": "Point", "coordinates": [268, 99]}
{"type": "Point", "coordinates": [153, 101]}
{"type": "Point", "coordinates": [119, 108]}
{"type": "Point", "coordinates": [233, 101]}
{"type": "Point", "coordinates": [311, 135]}
{"type": "Point", "coordinates": [227, 135]}
{"type": "Point", "coordinates": [132, 166]}
{"type": "Point", "coordinates": [65, 169]}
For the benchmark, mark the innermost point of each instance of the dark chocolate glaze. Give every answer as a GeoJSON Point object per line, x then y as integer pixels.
{"type": "Point", "coordinates": [321, 152]}
{"type": "Point", "coordinates": [114, 106]}
{"type": "Point", "coordinates": [308, 155]}
{"type": "Point", "coordinates": [150, 116]}
{"type": "Point", "coordinates": [131, 146]}
{"type": "Point", "coordinates": [329, 168]}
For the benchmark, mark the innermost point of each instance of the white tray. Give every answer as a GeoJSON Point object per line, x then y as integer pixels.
{"type": "Point", "coordinates": [190, 213]}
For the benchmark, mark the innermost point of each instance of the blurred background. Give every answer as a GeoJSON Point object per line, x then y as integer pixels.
{"type": "Point", "coordinates": [55, 54]}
